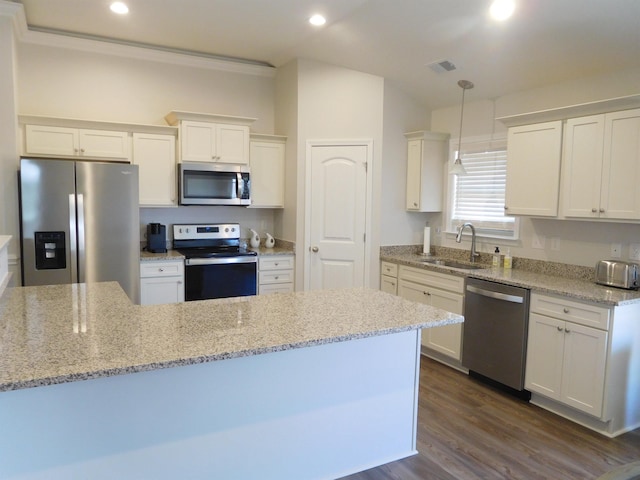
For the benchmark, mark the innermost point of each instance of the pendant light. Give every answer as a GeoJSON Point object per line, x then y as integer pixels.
{"type": "Point", "coordinates": [457, 168]}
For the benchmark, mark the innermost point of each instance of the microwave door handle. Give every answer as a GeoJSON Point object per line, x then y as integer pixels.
{"type": "Point", "coordinates": [240, 185]}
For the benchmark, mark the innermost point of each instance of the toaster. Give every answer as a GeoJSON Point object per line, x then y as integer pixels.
{"type": "Point", "coordinates": [615, 273]}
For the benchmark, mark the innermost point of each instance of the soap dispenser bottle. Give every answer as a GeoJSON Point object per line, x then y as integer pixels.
{"type": "Point", "coordinates": [496, 258]}
{"type": "Point", "coordinates": [254, 240]}
{"type": "Point", "coordinates": [508, 260]}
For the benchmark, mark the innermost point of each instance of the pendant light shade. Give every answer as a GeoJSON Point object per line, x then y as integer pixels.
{"type": "Point", "coordinates": [457, 168]}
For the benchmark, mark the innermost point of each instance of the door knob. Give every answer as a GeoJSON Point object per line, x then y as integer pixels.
{"type": "Point", "coordinates": [314, 249]}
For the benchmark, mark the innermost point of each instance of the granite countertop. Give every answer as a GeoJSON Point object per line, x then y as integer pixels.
{"type": "Point", "coordinates": [65, 333]}
{"type": "Point", "coordinates": [576, 288]}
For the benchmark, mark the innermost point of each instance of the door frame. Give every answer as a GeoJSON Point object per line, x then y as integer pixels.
{"type": "Point", "coordinates": [368, 143]}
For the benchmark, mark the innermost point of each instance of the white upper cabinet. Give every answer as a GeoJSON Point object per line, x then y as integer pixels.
{"type": "Point", "coordinates": [426, 159]}
{"type": "Point", "coordinates": [267, 171]}
{"type": "Point", "coordinates": [601, 166]}
{"type": "Point", "coordinates": [212, 138]}
{"type": "Point", "coordinates": [155, 155]}
{"type": "Point", "coordinates": [533, 169]}
{"type": "Point", "coordinates": [47, 140]}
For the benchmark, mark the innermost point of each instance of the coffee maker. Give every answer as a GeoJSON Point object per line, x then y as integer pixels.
{"type": "Point", "coordinates": [156, 238]}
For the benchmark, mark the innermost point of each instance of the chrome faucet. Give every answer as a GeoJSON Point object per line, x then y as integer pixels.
{"type": "Point", "coordinates": [474, 254]}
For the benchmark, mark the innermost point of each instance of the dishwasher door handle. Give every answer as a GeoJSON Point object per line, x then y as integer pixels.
{"type": "Point", "coordinates": [496, 295]}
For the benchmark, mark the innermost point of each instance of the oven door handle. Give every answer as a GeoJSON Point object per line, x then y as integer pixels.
{"type": "Point", "coordinates": [220, 261]}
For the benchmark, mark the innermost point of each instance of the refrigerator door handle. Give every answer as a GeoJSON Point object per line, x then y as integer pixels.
{"type": "Point", "coordinates": [73, 254]}
{"type": "Point", "coordinates": [81, 240]}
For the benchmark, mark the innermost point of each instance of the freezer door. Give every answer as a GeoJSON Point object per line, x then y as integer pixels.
{"type": "Point", "coordinates": [108, 224]}
{"type": "Point", "coordinates": [47, 211]}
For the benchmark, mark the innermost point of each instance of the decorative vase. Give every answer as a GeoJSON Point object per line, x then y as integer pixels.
{"type": "Point", "coordinates": [254, 240]}
{"type": "Point", "coordinates": [269, 242]}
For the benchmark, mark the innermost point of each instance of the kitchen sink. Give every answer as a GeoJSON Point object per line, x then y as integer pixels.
{"type": "Point", "coordinates": [453, 264]}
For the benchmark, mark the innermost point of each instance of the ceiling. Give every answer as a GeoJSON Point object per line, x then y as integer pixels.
{"type": "Point", "coordinates": [545, 42]}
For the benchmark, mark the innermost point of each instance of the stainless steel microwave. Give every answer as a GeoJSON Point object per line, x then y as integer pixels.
{"type": "Point", "coordinates": [203, 183]}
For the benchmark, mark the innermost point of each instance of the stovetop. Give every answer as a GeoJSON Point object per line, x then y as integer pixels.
{"type": "Point", "coordinates": [215, 252]}
{"type": "Point", "coordinates": [209, 240]}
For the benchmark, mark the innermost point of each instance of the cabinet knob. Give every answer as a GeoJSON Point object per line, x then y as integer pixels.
{"type": "Point", "coordinates": [567, 330]}
{"type": "Point", "coordinates": [565, 310]}
{"type": "Point", "coordinates": [426, 293]}
{"type": "Point", "coordinates": [276, 277]}
{"type": "Point", "coordinates": [393, 284]}
{"type": "Point", "coordinates": [276, 264]}
{"type": "Point", "coordinates": [559, 329]}
{"type": "Point", "coordinates": [506, 208]}
{"type": "Point", "coordinates": [415, 204]}
{"type": "Point", "coordinates": [594, 210]}
{"type": "Point", "coordinates": [602, 210]}
{"type": "Point", "coordinates": [161, 269]}
{"type": "Point", "coordinates": [82, 150]}
{"type": "Point", "coordinates": [314, 249]}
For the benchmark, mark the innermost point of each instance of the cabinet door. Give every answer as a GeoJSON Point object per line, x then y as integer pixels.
{"type": "Point", "coordinates": [155, 156]}
{"type": "Point", "coordinates": [45, 140]}
{"type": "Point", "coordinates": [232, 144]}
{"type": "Point", "coordinates": [533, 169]}
{"type": "Point", "coordinates": [160, 290]}
{"type": "Point", "coordinates": [545, 352]}
{"type": "Point", "coordinates": [414, 173]}
{"type": "Point", "coordinates": [197, 141]}
{"type": "Point", "coordinates": [620, 197]}
{"type": "Point", "coordinates": [389, 284]}
{"type": "Point", "coordinates": [447, 339]}
{"type": "Point", "coordinates": [585, 354]}
{"type": "Point", "coordinates": [412, 291]}
{"type": "Point", "coordinates": [582, 166]}
{"type": "Point", "coordinates": [267, 174]}
{"type": "Point", "coordinates": [104, 144]}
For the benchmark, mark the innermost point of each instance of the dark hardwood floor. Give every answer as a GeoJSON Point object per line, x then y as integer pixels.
{"type": "Point", "coordinates": [468, 430]}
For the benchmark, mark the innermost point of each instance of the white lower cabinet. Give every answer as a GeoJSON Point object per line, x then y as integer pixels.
{"type": "Point", "coordinates": [439, 290]}
{"type": "Point", "coordinates": [567, 352]}
{"type": "Point", "coordinates": [389, 278]}
{"type": "Point", "coordinates": [275, 274]}
{"type": "Point", "coordinates": [161, 282]}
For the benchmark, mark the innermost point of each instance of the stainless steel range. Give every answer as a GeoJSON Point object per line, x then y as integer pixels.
{"type": "Point", "coordinates": [215, 264]}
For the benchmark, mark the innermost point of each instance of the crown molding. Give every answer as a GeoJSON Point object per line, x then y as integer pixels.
{"type": "Point", "coordinates": [99, 46]}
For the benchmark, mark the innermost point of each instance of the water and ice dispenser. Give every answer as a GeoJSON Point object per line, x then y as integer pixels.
{"type": "Point", "coordinates": [50, 250]}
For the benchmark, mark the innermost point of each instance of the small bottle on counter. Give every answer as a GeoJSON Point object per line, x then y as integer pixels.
{"type": "Point", "coordinates": [507, 259]}
{"type": "Point", "coordinates": [497, 258]}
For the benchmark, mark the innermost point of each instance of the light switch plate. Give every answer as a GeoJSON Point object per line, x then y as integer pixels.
{"type": "Point", "coordinates": [634, 251]}
{"type": "Point", "coordinates": [538, 241]}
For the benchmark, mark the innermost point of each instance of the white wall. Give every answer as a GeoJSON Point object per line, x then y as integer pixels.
{"type": "Point", "coordinates": [9, 223]}
{"type": "Point", "coordinates": [577, 242]}
{"type": "Point", "coordinates": [402, 114]}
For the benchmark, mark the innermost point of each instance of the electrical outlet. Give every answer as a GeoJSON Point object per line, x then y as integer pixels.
{"type": "Point", "coordinates": [555, 243]}
{"type": "Point", "coordinates": [538, 241]}
{"type": "Point", "coordinates": [616, 250]}
{"type": "Point", "coordinates": [634, 251]}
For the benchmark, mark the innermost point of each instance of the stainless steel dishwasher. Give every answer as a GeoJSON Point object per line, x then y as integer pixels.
{"type": "Point", "coordinates": [496, 320]}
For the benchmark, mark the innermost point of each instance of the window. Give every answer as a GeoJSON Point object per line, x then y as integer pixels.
{"type": "Point", "coordinates": [478, 196]}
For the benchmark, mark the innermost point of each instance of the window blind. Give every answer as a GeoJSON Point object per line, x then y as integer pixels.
{"type": "Point", "coordinates": [479, 196]}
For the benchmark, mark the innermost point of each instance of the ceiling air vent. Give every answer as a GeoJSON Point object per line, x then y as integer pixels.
{"type": "Point", "coordinates": [442, 66]}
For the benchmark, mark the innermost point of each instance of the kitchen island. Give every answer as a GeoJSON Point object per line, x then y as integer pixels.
{"type": "Point", "coordinates": [303, 385]}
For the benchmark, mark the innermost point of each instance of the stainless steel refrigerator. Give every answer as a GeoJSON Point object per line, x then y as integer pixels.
{"type": "Point", "coordinates": [80, 223]}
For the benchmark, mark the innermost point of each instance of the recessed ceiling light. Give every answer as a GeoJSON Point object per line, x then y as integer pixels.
{"type": "Point", "coordinates": [317, 20]}
{"type": "Point", "coordinates": [502, 9]}
{"type": "Point", "coordinates": [119, 7]}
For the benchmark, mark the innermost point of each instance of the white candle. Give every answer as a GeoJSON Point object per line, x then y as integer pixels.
{"type": "Point", "coordinates": [426, 247]}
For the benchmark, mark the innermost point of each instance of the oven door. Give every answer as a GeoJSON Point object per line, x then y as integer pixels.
{"type": "Point", "coordinates": [207, 278]}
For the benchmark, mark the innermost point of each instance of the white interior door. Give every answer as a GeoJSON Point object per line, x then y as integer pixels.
{"type": "Point", "coordinates": [338, 208]}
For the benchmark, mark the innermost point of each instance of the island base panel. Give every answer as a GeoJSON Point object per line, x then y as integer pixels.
{"type": "Point", "coordinates": [317, 412]}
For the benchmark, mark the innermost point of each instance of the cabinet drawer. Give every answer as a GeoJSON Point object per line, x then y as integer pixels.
{"type": "Point", "coordinates": [276, 288]}
{"type": "Point", "coordinates": [577, 312]}
{"type": "Point", "coordinates": [388, 268]}
{"type": "Point", "coordinates": [433, 279]}
{"type": "Point", "coordinates": [161, 269]}
{"type": "Point", "coordinates": [275, 262]}
{"type": "Point", "coordinates": [276, 276]}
